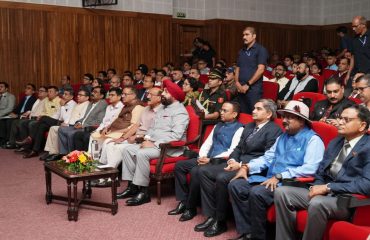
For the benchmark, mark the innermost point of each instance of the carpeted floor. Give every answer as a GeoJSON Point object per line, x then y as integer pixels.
{"type": "Point", "coordinates": [25, 215]}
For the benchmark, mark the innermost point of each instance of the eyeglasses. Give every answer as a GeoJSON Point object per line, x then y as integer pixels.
{"type": "Point", "coordinates": [346, 119]}
{"type": "Point", "coordinates": [360, 89]}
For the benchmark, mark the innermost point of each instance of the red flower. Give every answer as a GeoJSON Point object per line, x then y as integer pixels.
{"type": "Point", "coordinates": [73, 158]}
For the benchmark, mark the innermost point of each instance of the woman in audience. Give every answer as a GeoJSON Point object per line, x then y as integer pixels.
{"type": "Point", "coordinates": [186, 66]}
{"type": "Point", "coordinates": [97, 82]}
{"type": "Point", "coordinates": [190, 88]}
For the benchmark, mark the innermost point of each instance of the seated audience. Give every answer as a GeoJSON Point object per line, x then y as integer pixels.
{"type": "Point", "coordinates": [7, 100]}
{"type": "Point", "coordinates": [212, 99]}
{"type": "Point", "coordinates": [363, 89]}
{"type": "Point", "coordinates": [103, 76]}
{"type": "Point", "coordinates": [78, 111]}
{"type": "Point", "coordinates": [190, 88]}
{"type": "Point", "coordinates": [229, 82]}
{"type": "Point", "coordinates": [202, 66]}
{"type": "Point", "coordinates": [87, 81]}
{"type": "Point", "coordinates": [219, 144]}
{"type": "Point", "coordinates": [169, 124]}
{"type": "Point", "coordinates": [288, 62]}
{"type": "Point", "coordinates": [186, 66]}
{"type": "Point", "coordinates": [93, 117]}
{"type": "Point", "coordinates": [296, 153]}
{"type": "Point", "coordinates": [97, 82]}
{"type": "Point", "coordinates": [37, 133]}
{"type": "Point", "coordinates": [177, 77]}
{"type": "Point", "coordinates": [24, 106]}
{"type": "Point", "coordinates": [329, 109]}
{"type": "Point", "coordinates": [115, 81]}
{"type": "Point", "coordinates": [127, 80]}
{"type": "Point", "coordinates": [158, 78]}
{"type": "Point", "coordinates": [345, 169]}
{"type": "Point", "coordinates": [20, 127]}
{"type": "Point", "coordinates": [148, 84]}
{"type": "Point", "coordinates": [279, 74]}
{"type": "Point", "coordinates": [110, 73]}
{"type": "Point", "coordinates": [111, 156]}
{"type": "Point", "coordinates": [330, 60]}
{"type": "Point", "coordinates": [343, 70]}
{"type": "Point", "coordinates": [302, 82]}
{"type": "Point", "coordinates": [65, 83]}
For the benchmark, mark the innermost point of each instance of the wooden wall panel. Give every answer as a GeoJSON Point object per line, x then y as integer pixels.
{"type": "Point", "coordinates": [40, 43]}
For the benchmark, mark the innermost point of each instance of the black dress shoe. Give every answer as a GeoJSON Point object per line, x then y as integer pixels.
{"type": "Point", "coordinates": [20, 150]}
{"type": "Point", "coordinates": [178, 210]}
{"type": "Point", "coordinates": [188, 215]}
{"type": "Point", "coordinates": [140, 198]}
{"type": "Point", "coordinates": [216, 229]}
{"type": "Point", "coordinates": [43, 157]}
{"type": "Point", "coordinates": [30, 154]}
{"type": "Point", "coordinates": [53, 157]}
{"type": "Point", "coordinates": [204, 225]}
{"type": "Point", "coordinates": [26, 141]}
{"type": "Point", "coordinates": [130, 191]}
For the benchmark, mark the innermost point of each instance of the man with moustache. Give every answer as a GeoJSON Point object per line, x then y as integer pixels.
{"type": "Point", "coordinates": [251, 64]}
{"type": "Point", "coordinates": [362, 87]}
{"type": "Point", "coordinates": [169, 124]}
{"type": "Point", "coordinates": [302, 82]}
{"type": "Point", "coordinates": [330, 108]}
{"type": "Point", "coordinates": [296, 153]}
{"type": "Point", "coordinates": [361, 46]}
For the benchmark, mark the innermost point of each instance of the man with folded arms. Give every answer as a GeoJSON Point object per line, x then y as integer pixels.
{"type": "Point", "coordinates": [296, 153]}
{"type": "Point", "coordinates": [77, 112]}
{"type": "Point", "coordinates": [256, 139]}
{"type": "Point", "coordinates": [169, 124]}
{"type": "Point", "coordinates": [219, 144]}
{"type": "Point", "coordinates": [345, 169]}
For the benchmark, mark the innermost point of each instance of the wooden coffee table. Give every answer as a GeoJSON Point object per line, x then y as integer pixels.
{"type": "Point", "coordinates": [74, 178]}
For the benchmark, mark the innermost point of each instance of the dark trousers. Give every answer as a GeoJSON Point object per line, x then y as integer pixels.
{"type": "Point", "coordinates": [39, 129]}
{"type": "Point", "coordinates": [5, 126]}
{"type": "Point", "coordinates": [248, 100]}
{"type": "Point", "coordinates": [184, 192]}
{"type": "Point", "coordinates": [250, 203]}
{"type": "Point", "coordinates": [24, 126]}
{"type": "Point", "coordinates": [81, 140]}
{"type": "Point", "coordinates": [214, 194]}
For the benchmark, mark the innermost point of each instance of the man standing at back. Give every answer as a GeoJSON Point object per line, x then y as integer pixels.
{"type": "Point", "coordinates": [251, 64]}
{"type": "Point", "coordinates": [361, 46]}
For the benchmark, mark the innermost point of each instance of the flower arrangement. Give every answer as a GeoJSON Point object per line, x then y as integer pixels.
{"type": "Point", "coordinates": [78, 161]}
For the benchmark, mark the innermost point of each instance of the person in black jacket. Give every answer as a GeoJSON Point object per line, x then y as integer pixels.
{"type": "Point", "coordinates": [329, 109]}
{"type": "Point", "coordinates": [21, 109]}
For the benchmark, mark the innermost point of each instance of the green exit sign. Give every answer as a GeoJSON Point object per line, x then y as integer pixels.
{"type": "Point", "coordinates": [181, 15]}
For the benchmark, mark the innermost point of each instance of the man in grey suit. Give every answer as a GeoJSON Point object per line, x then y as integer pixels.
{"type": "Point", "coordinates": [7, 100]}
{"type": "Point", "coordinates": [93, 117]}
{"type": "Point", "coordinates": [345, 168]}
{"type": "Point", "coordinates": [169, 124]}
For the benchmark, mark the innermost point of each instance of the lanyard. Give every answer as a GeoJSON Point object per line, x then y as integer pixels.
{"type": "Point", "coordinates": [364, 41]}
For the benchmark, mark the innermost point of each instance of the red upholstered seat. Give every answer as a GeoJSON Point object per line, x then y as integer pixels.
{"type": "Point", "coordinates": [347, 231]}
{"type": "Point", "coordinates": [327, 73]}
{"type": "Point", "coordinates": [76, 87]}
{"type": "Point", "coordinates": [320, 82]}
{"type": "Point", "coordinates": [314, 97]}
{"type": "Point", "coordinates": [245, 118]}
{"type": "Point", "coordinates": [270, 90]}
{"type": "Point", "coordinates": [326, 131]}
{"type": "Point", "coordinates": [163, 167]}
{"type": "Point", "coordinates": [268, 74]}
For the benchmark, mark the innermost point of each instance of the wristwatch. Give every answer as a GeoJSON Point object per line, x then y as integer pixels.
{"type": "Point", "coordinates": [328, 189]}
{"type": "Point", "coordinates": [278, 176]}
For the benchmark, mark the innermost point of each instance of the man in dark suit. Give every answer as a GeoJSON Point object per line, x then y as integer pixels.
{"type": "Point", "coordinates": [24, 106]}
{"type": "Point", "coordinates": [345, 169]}
{"type": "Point", "coordinates": [329, 109]}
{"type": "Point", "coordinates": [93, 117]}
{"type": "Point", "coordinates": [256, 139]}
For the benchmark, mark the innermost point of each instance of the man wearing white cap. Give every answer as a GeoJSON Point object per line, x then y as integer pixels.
{"type": "Point", "coordinates": [296, 153]}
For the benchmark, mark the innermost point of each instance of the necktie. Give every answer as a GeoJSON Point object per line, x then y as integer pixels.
{"type": "Point", "coordinates": [327, 112]}
{"type": "Point", "coordinates": [252, 134]}
{"type": "Point", "coordinates": [337, 164]}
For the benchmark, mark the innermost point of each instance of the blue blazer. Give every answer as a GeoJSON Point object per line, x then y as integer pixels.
{"type": "Point", "coordinates": [354, 176]}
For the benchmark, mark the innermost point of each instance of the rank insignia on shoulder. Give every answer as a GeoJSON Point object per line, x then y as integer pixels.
{"type": "Point", "coordinates": [220, 100]}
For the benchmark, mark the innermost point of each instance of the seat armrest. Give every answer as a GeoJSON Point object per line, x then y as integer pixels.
{"type": "Point", "coordinates": [348, 200]}
{"type": "Point", "coordinates": [298, 182]}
